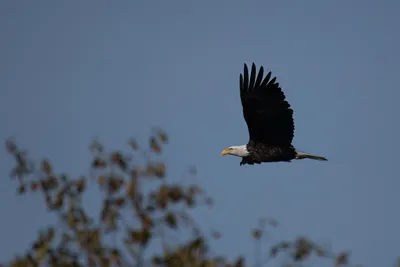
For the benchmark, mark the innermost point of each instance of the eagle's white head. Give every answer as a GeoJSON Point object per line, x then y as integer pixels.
{"type": "Point", "coordinates": [239, 151]}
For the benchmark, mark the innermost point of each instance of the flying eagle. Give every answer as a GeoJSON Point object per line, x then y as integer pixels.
{"type": "Point", "coordinates": [269, 119]}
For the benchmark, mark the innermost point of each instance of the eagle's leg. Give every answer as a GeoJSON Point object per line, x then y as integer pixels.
{"type": "Point", "coordinates": [249, 160]}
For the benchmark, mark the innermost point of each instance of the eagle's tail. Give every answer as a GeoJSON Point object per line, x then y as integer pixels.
{"type": "Point", "coordinates": [302, 155]}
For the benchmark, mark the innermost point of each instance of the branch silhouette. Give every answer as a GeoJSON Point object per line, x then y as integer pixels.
{"type": "Point", "coordinates": [140, 209]}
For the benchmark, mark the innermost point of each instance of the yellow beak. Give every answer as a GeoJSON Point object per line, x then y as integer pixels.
{"type": "Point", "coordinates": [225, 152]}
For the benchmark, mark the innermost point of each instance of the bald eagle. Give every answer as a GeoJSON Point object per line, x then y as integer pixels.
{"type": "Point", "coordinates": [269, 119]}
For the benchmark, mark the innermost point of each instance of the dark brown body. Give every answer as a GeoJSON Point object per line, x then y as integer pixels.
{"type": "Point", "coordinates": [260, 152]}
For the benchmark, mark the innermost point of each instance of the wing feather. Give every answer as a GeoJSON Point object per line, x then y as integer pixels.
{"type": "Point", "coordinates": [259, 77]}
{"type": "Point", "coordinates": [246, 78]}
{"type": "Point", "coordinates": [252, 76]}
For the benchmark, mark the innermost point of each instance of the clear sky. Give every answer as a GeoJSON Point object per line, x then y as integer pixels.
{"type": "Point", "coordinates": [71, 71]}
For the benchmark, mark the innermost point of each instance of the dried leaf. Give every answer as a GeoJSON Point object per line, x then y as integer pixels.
{"type": "Point", "coordinates": [154, 145]}
{"type": "Point", "coordinates": [210, 263]}
{"type": "Point", "coordinates": [194, 190]}
{"type": "Point", "coordinates": [41, 252]}
{"type": "Point", "coordinates": [63, 177]}
{"type": "Point", "coordinates": [81, 185]}
{"type": "Point", "coordinates": [131, 189]}
{"type": "Point", "coordinates": [342, 258]}
{"type": "Point", "coordinates": [118, 159]}
{"type": "Point", "coordinates": [170, 219]}
{"type": "Point", "coordinates": [133, 144]}
{"type": "Point", "coordinates": [136, 172]}
{"type": "Point", "coordinates": [59, 200]}
{"type": "Point", "coordinates": [175, 193]}
{"type": "Point", "coordinates": [284, 244]}
{"type": "Point", "coordinates": [99, 163]}
{"type": "Point", "coordinates": [105, 210]}
{"type": "Point", "coordinates": [150, 208]}
{"type": "Point", "coordinates": [112, 220]}
{"type": "Point", "coordinates": [34, 186]}
{"type": "Point", "coordinates": [91, 260]}
{"type": "Point", "coordinates": [256, 233]}
{"type": "Point", "coordinates": [46, 167]}
{"type": "Point", "coordinates": [150, 171]}
{"type": "Point", "coordinates": [163, 136]}
{"type": "Point", "coordinates": [160, 170]}
{"type": "Point", "coordinates": [114, 184]}
{"type": "Point", "coordinates": [11, 147]}
{"type": "Point", "coordinates": [101, 180]}
{"type": "Point", "coordinates": [141, 237]}
{"type": "Point", "coordinates": [274, 251]}
{"type": "Point", "coordinates": [120, 202]}
{"type": "Point", "coordinates": [146, 220]}
{"type": "Point", "coordinates": [50, 234]}
{"type": "Point", "coordinates": [49, 183]}
{"type": "Point", "coordinates": [162, 203]}
{"type": "Point", "coordinates": [303, 249]}
{"type": "Point", "coordinates": [197, 243]}
{"type": "Point", "coordinates": [37, 244]}
{"type": "Point", "coordinates": [239, 262]}
{"type": "Point", "coordinates": [157, 260]}
{"type": "Point", "coordinates": [21, 189]}
{"type": "Point", "coordinates": [104, 262]}
{"type": "Point", "coordinates": [190, 201]}
{"type": "Point", "coordinates": [115, 255]}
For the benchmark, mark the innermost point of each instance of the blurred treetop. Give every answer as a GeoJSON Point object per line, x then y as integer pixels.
{"type": "Point", "coordinates": [132, 217]}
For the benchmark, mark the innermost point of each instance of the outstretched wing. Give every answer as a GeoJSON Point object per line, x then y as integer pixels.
{"type": "Point", "coordinates": [268, 115]}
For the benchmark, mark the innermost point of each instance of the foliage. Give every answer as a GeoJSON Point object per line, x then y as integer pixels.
{"type": "Point", "coordinates": [78, 239]}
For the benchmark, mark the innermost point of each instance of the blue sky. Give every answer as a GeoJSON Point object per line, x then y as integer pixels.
{"type": "Point", "coordinates": [73, 71]}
